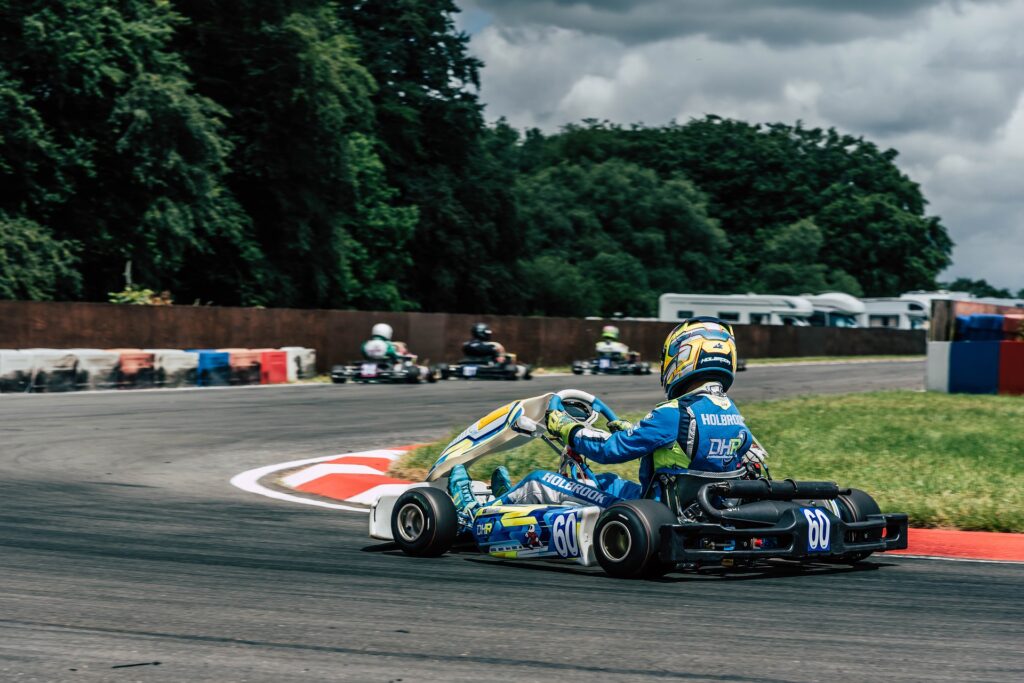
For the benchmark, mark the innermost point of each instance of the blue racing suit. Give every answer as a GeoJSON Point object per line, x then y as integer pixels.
{"type": "Point", "coordinates": [701, 430]}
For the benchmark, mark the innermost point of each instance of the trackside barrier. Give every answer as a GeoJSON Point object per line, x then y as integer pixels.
{"type": "Point", "coordinates": [214, 369]}
{"type": "Point", "coordinates": [974, 367]}
{"type": "Point", "coordinates": [53, 370]}
{"type": "Point", "coordinates": [15, 370]}
{"type": "Point", "coordinates": [245, 365]}
{"type": "Point", "coordinates": [174, 367]}
{"type": "Point", "coordinates": [937, 372]}
{"type": "Point", "coordinates": [301, 362]}
{"type": "Point", "coordinates": [136, 369]}
{"type": "Point", "coordinates": [273, 366]}
{"type": "Point", "coordinates": [96, 368]}
{"type": "Point", "coordinates": [1011, 367]}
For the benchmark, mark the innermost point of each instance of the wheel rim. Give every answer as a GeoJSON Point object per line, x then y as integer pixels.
{"type": "Point", "coordinates": [411, 522]}
{"type": "Point", "coordinates": [616, 541]}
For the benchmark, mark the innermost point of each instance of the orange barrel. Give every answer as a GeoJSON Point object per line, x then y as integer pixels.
{"type": "Point", "coordinates": [135, 369]}
{"type": "Point", "coordinates": [245, 365]}
{"type": "Point", "coordinates": [273, 366]}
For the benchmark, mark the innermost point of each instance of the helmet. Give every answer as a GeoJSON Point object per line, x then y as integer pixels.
{"type": "Point", "coordinates": [482, 332]}
{"type": "Point", "coordinates": [701, 348]}
{"type": "Point", "coordinates": [610, 332]}
{"type": "Point", "coordinates": [382, 330]}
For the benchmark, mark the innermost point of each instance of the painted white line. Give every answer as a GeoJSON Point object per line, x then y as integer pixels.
{"type": "Point", "coordinates": [316, 471]}
{"type": "Point", "coordinates": [250, 481]}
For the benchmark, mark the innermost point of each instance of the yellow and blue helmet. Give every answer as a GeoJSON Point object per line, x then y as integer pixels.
{"type": "Point", "coordinates": [701, 348]}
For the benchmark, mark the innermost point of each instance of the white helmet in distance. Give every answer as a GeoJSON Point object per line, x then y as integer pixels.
{"type": "Point", "coordinates": [382, 330]}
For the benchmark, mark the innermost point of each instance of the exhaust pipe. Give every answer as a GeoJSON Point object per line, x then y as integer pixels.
{"type": "Point", "coordinates": [762, 512]}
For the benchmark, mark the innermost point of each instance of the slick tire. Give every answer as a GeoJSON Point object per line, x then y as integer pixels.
{"type": "Point", "coordinates": [855, 508]}
{"type": "Point", "coordinates": [627, 539]}
{"type": "Point", "coordinates": [424, 522]}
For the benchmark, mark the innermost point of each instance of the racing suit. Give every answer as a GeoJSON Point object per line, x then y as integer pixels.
{"type": "Point", "coordinates": [701, 430]}
{"type": "Point", "coordinates": [611, 348]}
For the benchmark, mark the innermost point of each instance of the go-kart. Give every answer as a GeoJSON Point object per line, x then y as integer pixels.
{"type": "Point", "coordinates": [487, 367]}
{"type": "Point", "coordinates": [612, 364]}
{"type": "Point", "coordinates": [686, 520]}
{"type": "Point", "coordinates": [385, 371]}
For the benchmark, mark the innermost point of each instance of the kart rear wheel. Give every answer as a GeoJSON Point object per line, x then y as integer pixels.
{"type": "Point", "coordinates": [855, 508]}
{"type": "Point", "coordinates": [627, 539]}
{"type": "Point", "coordinates": [424, 522]}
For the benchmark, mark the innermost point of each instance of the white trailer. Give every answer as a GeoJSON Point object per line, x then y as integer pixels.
{"type": "Point", "coordinates": [902, 313]}
{"type": "Point", "coordinates": [835, 309]}
{"type": "Point", "coordinates": [748, 309]}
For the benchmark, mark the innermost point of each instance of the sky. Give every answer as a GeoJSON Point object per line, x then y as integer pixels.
{"type": "Point", "coordinates": [940, 81]}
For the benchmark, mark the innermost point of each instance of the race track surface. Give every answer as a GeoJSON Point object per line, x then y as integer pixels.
{"type": "Point", "coordinates": [122, 543]}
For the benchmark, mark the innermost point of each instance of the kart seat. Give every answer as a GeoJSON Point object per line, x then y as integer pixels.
{"type": "Point", "coordinates": [677, 486]}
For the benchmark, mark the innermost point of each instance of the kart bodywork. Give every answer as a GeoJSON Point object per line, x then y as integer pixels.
{"type": "Point", "coordinates": [402, 371]}
{"type": "Point", "coordinates": [486, 368]}
{"type": "Point", "coordinates": [688, 519]}
{"type": "Point", "coordinates": [612, 364]}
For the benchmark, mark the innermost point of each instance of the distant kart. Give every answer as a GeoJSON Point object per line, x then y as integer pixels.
{"type": "Point", "coordinates": [687, 519]}
{"type": "Point", "coordinates": [612, 364]}
{"type": "Point", "coordinates": [486, 368]}
{"type": "Point", "coordinates": [403, 371]}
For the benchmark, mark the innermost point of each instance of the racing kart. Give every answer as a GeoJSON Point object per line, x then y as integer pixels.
{"type": "Point", "coordinates": [385, 371]}
{"type": "Point", "coordinates": [612, 364]}
{"type": "Point", "coordinates": [686, 520]}
{"type": "Point", "coordinates": [488, 367]}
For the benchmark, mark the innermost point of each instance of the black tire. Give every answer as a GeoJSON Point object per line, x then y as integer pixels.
{"type": "Point", "coordinates": [855, 508]}
{"type": "Point", "coordinates": [424, 522]}
{"type": "Point", "coordinates": [627, 539]}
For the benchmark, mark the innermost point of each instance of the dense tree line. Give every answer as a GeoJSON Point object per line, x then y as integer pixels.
{"type": "Point", "coordinates": [335, 154]}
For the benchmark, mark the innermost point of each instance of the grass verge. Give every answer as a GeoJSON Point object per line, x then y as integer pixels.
{"type": "Point", "coordinates": [946, 460]}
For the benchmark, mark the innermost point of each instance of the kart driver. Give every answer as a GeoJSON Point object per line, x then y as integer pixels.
{"type": "Point", "coordinates": [610, 344]}
{"type": "Point", "coordinates": [379, 346]}
{"type": "Point", "coordinates": [481, 346]}
{"type": "Point", "coordinates": [698, 427]}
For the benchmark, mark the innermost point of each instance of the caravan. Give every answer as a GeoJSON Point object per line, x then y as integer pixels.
{"type": "Point", "coordinates": [748, 309]}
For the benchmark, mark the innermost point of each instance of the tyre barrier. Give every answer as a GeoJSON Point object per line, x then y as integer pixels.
{"type": "Point", "coordinates": [976, 367]}
{"type": "Point", "coordinates": [58, 370]}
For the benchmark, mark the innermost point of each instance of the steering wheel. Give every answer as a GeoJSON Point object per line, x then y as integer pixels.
{"type": "Point", "coordinates": [584, 408]}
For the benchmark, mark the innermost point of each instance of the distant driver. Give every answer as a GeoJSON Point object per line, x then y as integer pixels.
{"type": "Point", "coordinates": [610, 344]}
{"type": "Point", "coordinates": [698, 427]}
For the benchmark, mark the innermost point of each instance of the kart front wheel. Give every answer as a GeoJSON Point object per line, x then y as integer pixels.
{"type": "Point", "coordinates": [628, 536]}
{"type": "Point", "coordinates": [856, 507]}
{"type": "Point", "coordinates": [424, 522]}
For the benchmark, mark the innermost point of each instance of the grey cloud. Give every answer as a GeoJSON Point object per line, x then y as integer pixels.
{"type": "Point", "coordinates": [778, 22]}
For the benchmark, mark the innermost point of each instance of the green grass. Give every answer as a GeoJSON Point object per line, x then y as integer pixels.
{"type": "Point", "coordinates": [829, 359]}
{"type": "Point", "coordinates": [946, 460]}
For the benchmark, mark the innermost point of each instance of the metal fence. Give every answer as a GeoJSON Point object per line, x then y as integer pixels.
{"type": "Point", "coordinates": [337, 335]}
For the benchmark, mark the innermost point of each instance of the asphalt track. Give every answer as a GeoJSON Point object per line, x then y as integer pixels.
{"type": "Point", "coordinates": [126, 556]}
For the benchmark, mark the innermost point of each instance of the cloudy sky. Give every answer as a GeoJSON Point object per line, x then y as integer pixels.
{"type": "Point", "coordinates": [941, 81]}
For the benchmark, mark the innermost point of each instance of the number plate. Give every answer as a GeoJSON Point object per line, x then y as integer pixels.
{"type": "Point", "coordinates": [468, 370]}
{"type": "Point", "coordinates": [604, 363]}
{"type": "Point", "coordinates": [564, 537]}
{"type": "Point", "coordinates": [819, 530]}
{"type": "Point", "coordinates": [368, 370]}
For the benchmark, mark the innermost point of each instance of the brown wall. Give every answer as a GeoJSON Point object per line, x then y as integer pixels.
{"type": "Point", "coordinates": [336, 335]}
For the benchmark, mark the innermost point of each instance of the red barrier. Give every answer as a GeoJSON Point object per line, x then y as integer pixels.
{"type": "Point", "coordinates": [245, 365]}
{"type": "Point", "coordinates": [136, 369]}
{"type": "Point", "coordinates": [1011, 367]}
{"type": "Point", "coordinates": [273, 366]}
{"type": "Point", "coordinates": [1013, 326]}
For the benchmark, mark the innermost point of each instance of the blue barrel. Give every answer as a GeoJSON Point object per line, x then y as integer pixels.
{"type": "Point", "coordinates": [214, 369]}
{"type": "Point", "coordinates": [974, 367]}
{"type": "Point", "coordinates": [979, 327]}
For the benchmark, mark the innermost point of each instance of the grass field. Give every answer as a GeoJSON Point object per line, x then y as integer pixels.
{"type": "Point", "coordinates": [947, 460]}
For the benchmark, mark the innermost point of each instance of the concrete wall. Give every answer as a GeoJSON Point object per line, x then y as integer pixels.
{"type": "Point", "coordinates": [436, 337]}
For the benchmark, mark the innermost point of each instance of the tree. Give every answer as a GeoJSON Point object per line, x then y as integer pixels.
{"type": "Point", "coordinates": [132, 161]}
{"type": "Point", "coordinates": [439, 155]}
{"type": "Point", "coordinates": [792, 264]}
{"type": "Point", "coordinates": [631, 234]}
{"type": "Point", "coordinates": [34, 265]}
{"type": "Point", "coordinates": [980, 288]}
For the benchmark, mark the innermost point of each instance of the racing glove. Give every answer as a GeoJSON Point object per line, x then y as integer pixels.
{"type": "Point", "coordinates": [562, 426]}
{"type": "Point", "coordinates": [755, 455]}
{"type": "Point", "coordinates": [619, 426]}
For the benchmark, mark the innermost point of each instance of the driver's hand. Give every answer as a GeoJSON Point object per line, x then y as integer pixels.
{"type": "Point", "coordinates": [561, 425]}
{"type": "Point", "coordinates": [619, 426]}
{"type": "Point", "coordinates": [755, 456]}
